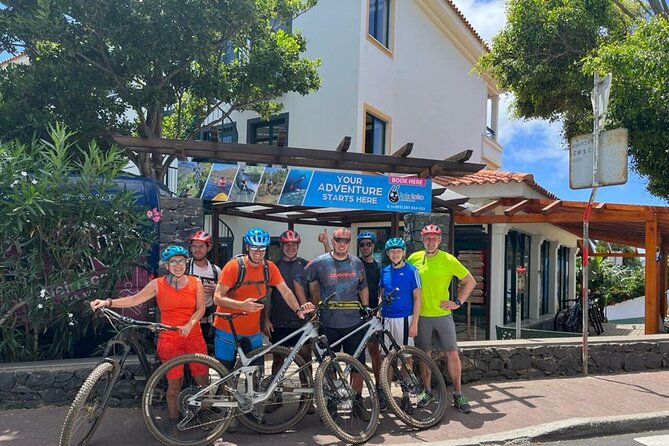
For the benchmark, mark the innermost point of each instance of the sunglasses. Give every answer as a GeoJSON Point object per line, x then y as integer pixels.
{"type": "Point", "coordinates": [341, 240]}
{"type": "Point", "coordinates": [175, 262]}
{"type": "Point", "coordinates": [366, 245]}
{"type": "Point", "coordinates": [258, 248]}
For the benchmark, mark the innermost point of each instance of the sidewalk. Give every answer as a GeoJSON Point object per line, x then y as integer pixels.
{"type": "Point", "coordinates": [502, 411]}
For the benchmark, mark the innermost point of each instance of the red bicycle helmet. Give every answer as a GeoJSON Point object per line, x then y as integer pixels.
{"type": "Point", "coordinates": [200, 236]}
{"type": "Point", "coordinates": [430, 229]}
{"type": "Point", "coordinates": [289, 236]}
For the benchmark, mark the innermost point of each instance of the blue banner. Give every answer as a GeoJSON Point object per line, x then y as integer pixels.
{"type": "Point", "coordinates": [371, 192]}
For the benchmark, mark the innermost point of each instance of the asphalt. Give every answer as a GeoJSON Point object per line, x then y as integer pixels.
{"type": "Point", "coordinates": [507, 412]}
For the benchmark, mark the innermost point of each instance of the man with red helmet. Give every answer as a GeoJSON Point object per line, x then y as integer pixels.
{"type": "Point", "coordinates": [200, 244]}
{"type": "Point", "coordinates": [437, 268]}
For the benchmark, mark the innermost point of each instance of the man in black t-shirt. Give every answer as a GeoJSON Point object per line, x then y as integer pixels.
{"type": "Point", "coordinates": [366, 242]}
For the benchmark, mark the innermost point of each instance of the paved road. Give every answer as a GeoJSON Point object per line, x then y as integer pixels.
{"type": "Point", "coordinates": [502, 411]}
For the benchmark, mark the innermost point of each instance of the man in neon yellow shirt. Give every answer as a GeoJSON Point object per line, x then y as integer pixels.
{"type": "Point", "coordinates": [437, 268]}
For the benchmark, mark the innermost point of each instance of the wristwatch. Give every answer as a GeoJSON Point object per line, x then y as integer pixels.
{"type": "Point", "coordinates": [457, 302]}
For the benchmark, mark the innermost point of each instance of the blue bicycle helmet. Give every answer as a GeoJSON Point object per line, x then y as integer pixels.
{"type": "Point", "coordinates": [172, 251]}
{"type": "Point", "coordinates": [395, 243]}
{"type": "Point", "coordinates": [256, 237]}
{"type": "Point", "coordinates": [366, 235]}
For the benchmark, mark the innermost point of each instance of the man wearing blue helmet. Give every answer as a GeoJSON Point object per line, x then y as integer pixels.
{"type": "Point", "coordinates": [400, 315]}
{"type": "Point", "coordinates": [243, 281]}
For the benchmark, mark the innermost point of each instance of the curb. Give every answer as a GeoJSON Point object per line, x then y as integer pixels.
{"type": "Point", "coordinates": [570, 429]}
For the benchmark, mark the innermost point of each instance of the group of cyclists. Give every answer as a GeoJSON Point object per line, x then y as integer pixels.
{"type": "Point", "coordinates": [273, 295]}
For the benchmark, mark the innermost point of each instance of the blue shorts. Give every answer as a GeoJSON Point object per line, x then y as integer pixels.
{"type": "Point", "coordinates": [225, 344]}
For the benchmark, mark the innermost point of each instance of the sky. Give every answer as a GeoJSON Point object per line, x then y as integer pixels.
{"type": "Point", "coordinates": [536, 146]}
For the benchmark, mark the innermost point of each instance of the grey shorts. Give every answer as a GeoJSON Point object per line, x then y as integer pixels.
{"type": "Point", "coordinates": [446, 340]}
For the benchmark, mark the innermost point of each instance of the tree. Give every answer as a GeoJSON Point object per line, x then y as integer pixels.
{"type": "Point", "coordinates": [549, 50]}
{"type": "Point", "coordinates": [147, 66]}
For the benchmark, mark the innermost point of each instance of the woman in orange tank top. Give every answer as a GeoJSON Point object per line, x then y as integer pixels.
{"type": "Point", "coordinates": [180, 299]}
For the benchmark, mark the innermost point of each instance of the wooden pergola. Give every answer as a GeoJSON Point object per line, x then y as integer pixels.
{"type": "Point", "coordinates": [640, 226]}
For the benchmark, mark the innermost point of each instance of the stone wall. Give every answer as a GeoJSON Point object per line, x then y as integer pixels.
{"type": "Point", "coordinates": [181, 217]}
{"type": "Point", "coordinates": [57, 382]}
{"type": "Point", "coordinates": [413, 223]}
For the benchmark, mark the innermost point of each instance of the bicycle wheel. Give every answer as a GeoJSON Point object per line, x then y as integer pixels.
{"type": "Point", "coordinates": [351, 418]}
{"type": "Point", "coordinates": [560, 321]}
{"type": "Point", "coordinates": [195, 425]}
{"type": "Point", "coordinates": [87, 409]}
{"type": "Point", "coordinates": [402, 383]}
{"type": "Point", "coordinates": [291, 398]}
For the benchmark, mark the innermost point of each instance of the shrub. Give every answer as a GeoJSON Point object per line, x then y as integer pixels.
{"type": "Point", "coordinates": [64, 242]}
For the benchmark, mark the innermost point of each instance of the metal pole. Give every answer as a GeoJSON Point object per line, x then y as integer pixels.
{"type": "Point", "coordinates": [520, 296]}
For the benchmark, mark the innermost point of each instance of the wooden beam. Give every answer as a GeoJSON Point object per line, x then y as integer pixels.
{"type": "Point", "coordinates": [238, 213]}
{"type": "Point", "coordinates": [278, 209]}
{"type": "Point", "coordinates": [344, 144]}
{"type": "Point", "coordinates": [517, 207]}
{"type": "Point", "coordinates": [663, 284]}
{"type": "Point", "coordinates": [404, 151]}
{"type": "Point", "coordinates": [600, 206]}
{"type": "Point", "coordinates": [293, 156]}
{"type": "Point", "coordinates": [652, 293]}
{"type": "Point", "coordinates": [450, 203]}
{"type": "Point", "coordinates": [438, 191]}
{"type": "Point", "coordinates": [551, 207]}
{"type": "Point", "coordinates": [563, 217]}
{"type": "Point", "coordinates": [461, 157]}
{"type": "Point", "coordinates": [486, 208]}
{"type": "Point", "coordinates": [616, 254]}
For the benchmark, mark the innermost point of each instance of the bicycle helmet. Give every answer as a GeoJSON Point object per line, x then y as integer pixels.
{"type": "Point", "coordinates": [289, 236]}
{"type": "Point", "coordinates": [430, 229]}
{"type": "Point", "coordinates": [366, 235]}
{"type": "Point", "coordinates": [172, 251]}
{"type": "Point", "coordinates": [256, 237]}
{"type": "Point", "coordinates": [394, 243]}
{"type": "Point", "coordinates": [200, 236]}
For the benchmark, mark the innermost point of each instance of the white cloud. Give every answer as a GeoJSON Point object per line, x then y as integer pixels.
{"type": "Point", "coordinates": [487, 17]}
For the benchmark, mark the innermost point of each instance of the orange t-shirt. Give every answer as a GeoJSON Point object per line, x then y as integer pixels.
{"type": "Point", "coordinates": [177, 305]}
{"type": "Point", "coordinates": [250, 324]}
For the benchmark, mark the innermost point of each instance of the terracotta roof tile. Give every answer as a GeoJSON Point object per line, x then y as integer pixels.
{"type": "Point", "coordinates": [468, 24]}
{"type": "Point", "coordinates": [492, 177]}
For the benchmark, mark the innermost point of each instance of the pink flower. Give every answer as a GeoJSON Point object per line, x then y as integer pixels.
{"type": "Point", "coordinates": [154, 214]}
{"type": "Point", "coordinates": [149, 213]}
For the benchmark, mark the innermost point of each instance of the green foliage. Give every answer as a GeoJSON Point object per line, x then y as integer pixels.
{"type": "Point", "coordinates": [90, 62]}
{"type": "Point", "coordinates": [54, 210]}
{"type": "Point", "coordinates": [613, 283]}
{"type": "Point", "coordinates": [549, 50]}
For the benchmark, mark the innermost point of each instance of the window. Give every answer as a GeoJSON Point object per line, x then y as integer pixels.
{"type": "Point", "coordinates": [517, 254]}
{"type": "Point", "coordinates": [379, 21]}
{"type": "Point", "coordinates": [545, 277]}
{"type": "Point", "coordinates": [267, 132]}
{"type": "Point", "coordinates": [375, 135]}
{"type": "Point", "coordinates": [223, 133]}
{"type": "Point", "coordinates": [563, 276]}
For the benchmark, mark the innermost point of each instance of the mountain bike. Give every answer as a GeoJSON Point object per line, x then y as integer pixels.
{"type": "Point", "coordinates": [571, 318]}
{"type": "Point", "coordinates": [400, 374]}
{"type": "Point", "coordinates": [88, 407]}
{"type": "Point", "coordinates": [264, 401]}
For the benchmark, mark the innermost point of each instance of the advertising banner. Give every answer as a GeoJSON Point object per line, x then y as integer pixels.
{"type": "Point", "coordinates": [306, 187]}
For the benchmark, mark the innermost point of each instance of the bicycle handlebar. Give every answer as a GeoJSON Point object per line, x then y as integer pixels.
{"type": "Point", "coordinates": [153, 326]}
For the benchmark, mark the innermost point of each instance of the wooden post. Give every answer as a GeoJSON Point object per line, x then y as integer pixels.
{"type": "Point", "coordinates": [663, 285]}
{"type": "Point", "coordinates": [214, 234]}
{"type": "Point", "coordinates": [395, 225]}
{"type": "Point", "coordinates": [652, 292]}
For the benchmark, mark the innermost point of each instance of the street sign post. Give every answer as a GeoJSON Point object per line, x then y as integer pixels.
{"type": "Point", "coordinates": [594, 163]}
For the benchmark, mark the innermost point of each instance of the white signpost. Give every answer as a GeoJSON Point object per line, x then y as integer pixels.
{"type": "Point", "coordinates": [599, 159]}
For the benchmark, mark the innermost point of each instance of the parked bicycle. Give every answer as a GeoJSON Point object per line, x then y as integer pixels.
{"type": "Point", "coordinates": [400, 376]}
{"type": "Point", "coordinates": [264, 401]}
{"type": "Point", "coordinates": [571, 318]}
{"type": "Point", "coordinates": [88, 407]}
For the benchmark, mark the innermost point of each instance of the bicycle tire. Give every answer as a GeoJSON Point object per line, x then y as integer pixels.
{"type": "Point", "coordinates": [287, 387]}
{"type": "Point", "coordinates": [341, 396]}
{"type": "Point", "coordinates": [90, 403]}
{"type": "Point", "coordinates": [560, 320]}
{"type": "Point", "coordinates": [202, 425]}
{"type": "Point", "coordinates": [410, 385]}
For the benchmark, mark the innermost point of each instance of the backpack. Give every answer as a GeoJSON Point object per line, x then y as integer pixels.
{"type": "Point", "coordinates": [241, 272]}
{"type": "Point", "coordinates": [213, 270]}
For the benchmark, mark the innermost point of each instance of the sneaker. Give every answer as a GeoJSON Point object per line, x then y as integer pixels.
{"type": "Point", "coordinates": [173, 429]}
{"type": "Point", "coordinates": [406, 406]}
{"type": "Point", "coordinates": [424, 399]}
{"type": "Point", "coordinates": [360, 410]}
{"type": "Point", "coordinates": [461, 403]}
{"type": "Point", "coordinates": [383, 403]}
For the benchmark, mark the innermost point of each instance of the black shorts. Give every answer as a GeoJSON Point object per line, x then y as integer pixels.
{"type": "Point", "coordinates": [349, 344]}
